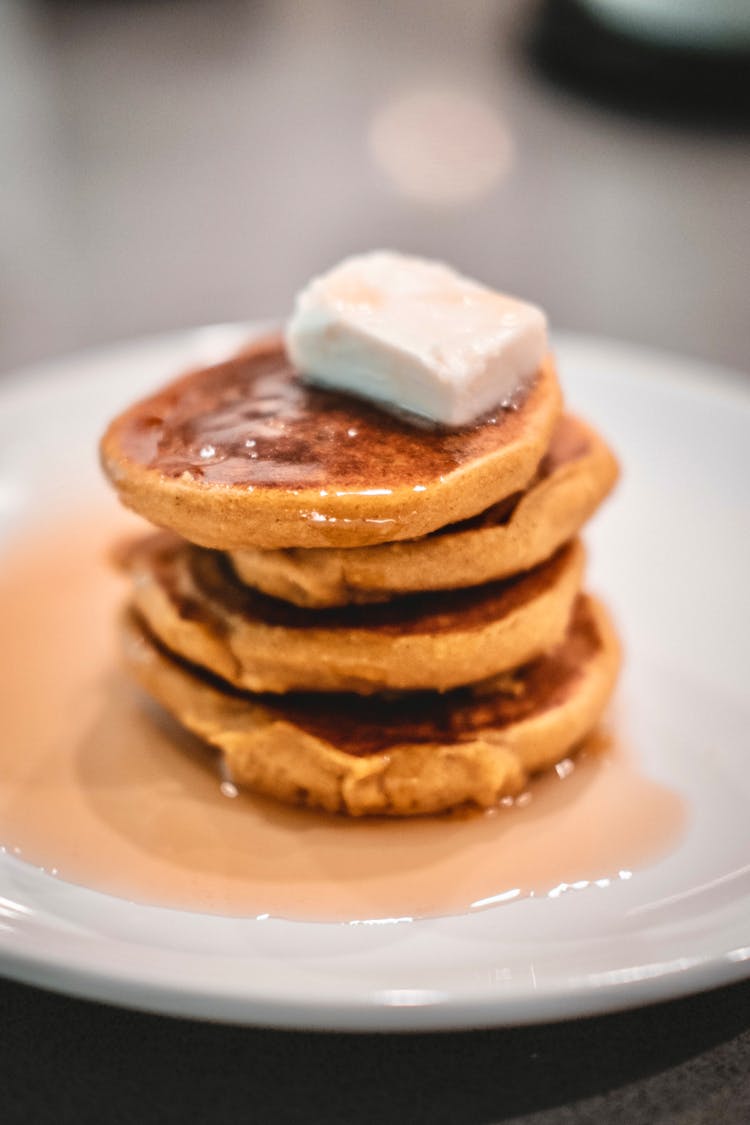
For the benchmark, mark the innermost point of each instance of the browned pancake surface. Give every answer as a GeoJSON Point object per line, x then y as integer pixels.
{"type": "Point", "coordinates": [253, 421]}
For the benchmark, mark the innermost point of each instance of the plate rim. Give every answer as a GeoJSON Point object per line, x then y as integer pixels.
{"type": "Point", "coordinates": [369, 1011]}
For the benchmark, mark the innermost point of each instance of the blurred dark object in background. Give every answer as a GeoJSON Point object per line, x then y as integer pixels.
{"type": "Point", "coordinates": [178, 162]}
{"type": "Point", "coordinates": [682, 80]}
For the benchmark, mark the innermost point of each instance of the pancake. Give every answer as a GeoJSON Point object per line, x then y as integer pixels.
{"type": "Point", "coordinates": [245, 454]}
{"type": "Point", "coordinates": [576, 473]}
{"type": "Point", "coordinates": [404, 756]}
{"type": "Point", "coordinates": [194, 604]}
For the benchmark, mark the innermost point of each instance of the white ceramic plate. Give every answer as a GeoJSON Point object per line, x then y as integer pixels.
{"type": "Point", "coordinates": [672, 553]}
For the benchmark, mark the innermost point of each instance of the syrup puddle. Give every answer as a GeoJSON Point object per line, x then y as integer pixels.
{"type": "Point", "coordinates": [100, 788]}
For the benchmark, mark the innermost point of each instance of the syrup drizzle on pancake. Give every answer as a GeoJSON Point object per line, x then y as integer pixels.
{"type": "Point", "coordinates": [101, 789]}
{"type": "Point", "coordinates": [252, 422]}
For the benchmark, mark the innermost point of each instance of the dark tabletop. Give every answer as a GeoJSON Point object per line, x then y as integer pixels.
{"type": "Point", "coordinates": [70, 1060]}
{"type": "Point", "coordinates": [167, 164]}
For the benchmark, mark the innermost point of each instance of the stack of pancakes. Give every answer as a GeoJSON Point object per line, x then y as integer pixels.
{"type": "Point", "coordinates": [364, 613]}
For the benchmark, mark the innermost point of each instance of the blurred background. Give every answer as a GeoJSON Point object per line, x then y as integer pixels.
{"type": "Point", "coordinates": [166, 164]}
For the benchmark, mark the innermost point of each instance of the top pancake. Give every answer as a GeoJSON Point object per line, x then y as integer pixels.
{"type": "Point", "coordinates": [246, 454]}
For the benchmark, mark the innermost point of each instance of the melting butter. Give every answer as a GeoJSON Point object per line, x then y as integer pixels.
{"type": "Point", "coordinates": [414, 335]}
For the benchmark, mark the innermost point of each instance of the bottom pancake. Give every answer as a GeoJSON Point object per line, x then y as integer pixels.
{"type": "Point", "coordinates": [400, 755]}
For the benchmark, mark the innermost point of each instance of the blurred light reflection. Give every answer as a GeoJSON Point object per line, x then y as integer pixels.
{"type": "Point", "coordinates": [441, 146]}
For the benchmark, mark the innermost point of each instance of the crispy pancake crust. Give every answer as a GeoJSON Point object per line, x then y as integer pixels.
{"type": "Point", "coordinates": [244, 454]}
{"type": "Point", "coordinates": [398, 757]}
{"type": "Point", "coordinates": [576, 474]}
{"type": "Point", "coordinates": [197, 608]}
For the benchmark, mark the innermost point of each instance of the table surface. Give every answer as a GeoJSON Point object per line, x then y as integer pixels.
{"type": "Point", "coordinates": [168, 164]}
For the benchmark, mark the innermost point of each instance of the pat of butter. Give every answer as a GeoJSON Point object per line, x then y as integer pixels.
{"type": "Point", "coordinates": [415, 335]}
